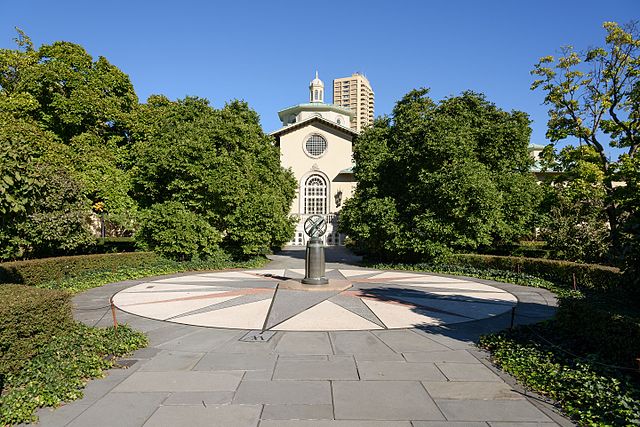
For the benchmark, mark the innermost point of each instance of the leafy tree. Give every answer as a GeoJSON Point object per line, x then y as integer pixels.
{"type": "Point", "coordinates": [595, 97]}
{"type": "Point", "coordinates": [575, 223]}
{"type": "Point", "coordinates": [628, 197]}
{"type": "Point", "coordinates": [86, 104]}
{"type": "Point", "coordinates": [440, 177]}
{"type": "Point", "coordinates": [219, 165]}
{"type": "Point", "coordinates": [59, 223]}
{"type": "Point", "coordinates": [42, 208]}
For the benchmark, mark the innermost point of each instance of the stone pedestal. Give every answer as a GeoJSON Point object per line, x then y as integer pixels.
{"type": "Point", "coordinates": [314, 268]}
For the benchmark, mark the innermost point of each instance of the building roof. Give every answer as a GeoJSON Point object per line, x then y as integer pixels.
{"type": "Point", "coordinates": [313, 106]}
{"type": "Point", "coordinates": [533, 147]}
{"type": "Point", "coordinates": [302, 123]}
{"type": "Point", "coordinates": [348, 170]}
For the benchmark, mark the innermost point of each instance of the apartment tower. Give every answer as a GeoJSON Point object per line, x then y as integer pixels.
{"type": "Point", "coordinates": [356, 94]}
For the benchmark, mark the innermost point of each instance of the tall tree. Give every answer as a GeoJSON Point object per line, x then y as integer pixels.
{"type": "Point", "coordinates": [217, 165]}
{"type": "Point", "coordinates": [85, 103]}
{"type": "Point", "coordinates": [574, 221]}
{"type": "Point", "coordinates": [594, 96]}
{"type": "Point", "coordinates": [440, 177]}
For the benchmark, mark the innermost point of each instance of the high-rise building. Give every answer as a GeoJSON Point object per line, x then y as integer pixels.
{"type": "Point", "coordinates": [356, 94]}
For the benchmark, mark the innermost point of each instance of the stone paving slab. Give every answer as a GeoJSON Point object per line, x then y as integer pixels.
{"type": "Point", "coordinates": [519, 424]}
{"type": "Point", "coordinates": [180, 381]}
{"type": "Point", "coordinates": [467, 372]}
{"type": "Point", "coordinates": [336, 368]}
{"type": "Point", "coordinates": [448, 424]}
{"type": "Point", "coordinates": [379, 357]}
{"type": "Point", "coordinates": [356, 342]}
{"type": "Point", "coordinates": [490, 410]}
{"type": "Point", "coordinates": [204, 398]}
{"type": "Point", "coordinates": [120, 409]}
{"type": "Point", "coordinates": [471, 390]}
{"type": "Point", "coordinates": [448, 356]}
{"type": "Point", "coordinates": [168, 360]}
{"type": "Point", "coordinates": [168, 332]}
{"type": "Point", "coordinates": [62, 416]}
{"type": "Point", "coordinates": [297, 412]}
{"type": "Point", "coordinates": [305, 343]}
{"type": "Point", "coordinates": [399, 371]}
{"type": "Point", "coordinates": [406, 341]}
{"type": "Point", "coordinates": [236, 361]}
{"type": "Point", "coordinates": [284, 392]}
{"type": "Point", "coordinates": [201, 340]}
{"type": "Point", "coordinates": [383, 400]}
{"type": "Point", "coordinates": [234, 346]}
{"type": "Point", "coordinates": [95, 390]}
{"type": "Point", "coordinates": [290, 356]}
{"type": "Point", "coordinates": [209, 416]}
{"type": "Point", "coordinates": [334, 423]}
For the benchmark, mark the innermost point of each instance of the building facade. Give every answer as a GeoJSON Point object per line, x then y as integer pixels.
{"type": "Point", "coordinates": [355, 93]}
{"type": "Point", "coordinates": [315, 142]}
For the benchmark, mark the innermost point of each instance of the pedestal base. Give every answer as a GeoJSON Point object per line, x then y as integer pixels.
{"type": "Point", "coordinates": [315, 280]}
{"type": "Point", "coordinates": [297, 285]}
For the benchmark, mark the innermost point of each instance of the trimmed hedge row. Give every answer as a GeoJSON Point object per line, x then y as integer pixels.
{"type": "Point", "coordinates": [588, 276]}
{"type": "Point", "coordinates": [38, 271]}
{"type": "Point", "coordinates": [29, 317]}
{"type": "Point", "coordinates": [115, 244]}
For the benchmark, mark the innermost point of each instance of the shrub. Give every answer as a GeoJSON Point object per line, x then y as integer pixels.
{"type": "Point", "coordinates": [38, 271]}
{"type": "Point", "coordinates": [29, 317]}
{"type": "Point", "coordinates": [175, 232]}
{"type": "Point", "coordinates": [94, 278]}
{"type": "Point", "coordinates": [588, 276]}
{"type": "Point", "coordinates": [599, 327]}
{"type": "Point", "coordinates": [588, 392]}
{"type": "Point", "coordinates": [115, 244]}
{"type": "Point", "coordinates": [60, 369]}
{"type": "Point", "coordinates": [505, 276]}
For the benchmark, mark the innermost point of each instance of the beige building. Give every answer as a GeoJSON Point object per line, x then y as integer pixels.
{"type": "Point", "coordinates": [315, 142]}
{"type": "Point", "coordinates": [355, 93]}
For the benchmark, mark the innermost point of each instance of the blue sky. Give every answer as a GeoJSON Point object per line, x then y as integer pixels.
{"type": "Point", "coordinates": [266, 52]}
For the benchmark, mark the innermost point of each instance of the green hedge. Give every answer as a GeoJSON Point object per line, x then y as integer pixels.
{"type": "Point", "coordinates": [115, 244]}
{"type": "Point", "coordinates": [37, 271]}
{"type": "Point", "coordinates": [29, 317]}
{"type": "Point", "coordinates": [588, 276]}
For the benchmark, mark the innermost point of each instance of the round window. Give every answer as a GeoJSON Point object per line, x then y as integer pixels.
{"type": "Point", "coordinates": [315, 146]}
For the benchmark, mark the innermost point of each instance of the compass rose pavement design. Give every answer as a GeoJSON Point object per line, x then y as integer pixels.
{"type": "Point", "coordinates": [252, 299]}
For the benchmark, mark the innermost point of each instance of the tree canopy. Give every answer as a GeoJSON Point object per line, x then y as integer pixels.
{"type": "Point", "coordinates": [219, 165]}
{"type": "Point", "coordinates": [594, 96]}
{"type": "Point", "coordinates": [438, 177]}
{"type": "Point", "coordinates": [73, 138]}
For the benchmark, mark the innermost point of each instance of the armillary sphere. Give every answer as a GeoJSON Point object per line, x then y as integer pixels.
{"type": "Point", "coordinates": [315, 226]}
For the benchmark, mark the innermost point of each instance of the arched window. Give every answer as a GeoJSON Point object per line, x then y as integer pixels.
{"type": "Point", "coordinates": [315, 195]}
{"type": "Point", "coordinates": [315, 95]}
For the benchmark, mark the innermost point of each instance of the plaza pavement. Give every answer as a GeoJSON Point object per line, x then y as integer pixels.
{"type": "Point", "coordinates": [201, 376]}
